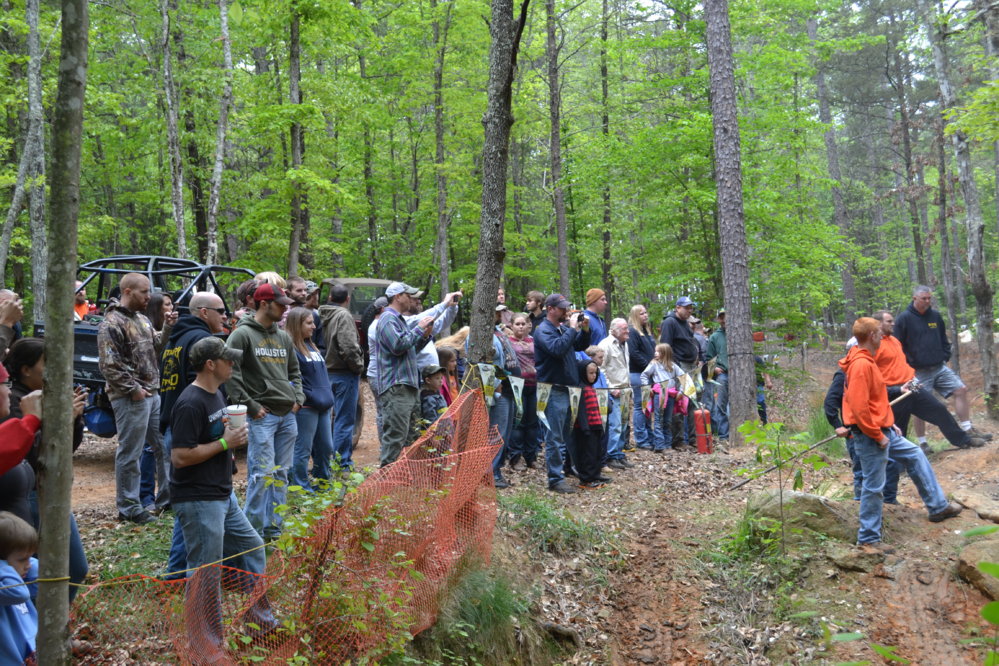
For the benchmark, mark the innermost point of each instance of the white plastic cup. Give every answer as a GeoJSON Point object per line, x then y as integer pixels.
{"type": "Point", "coordinates": [237, 415]}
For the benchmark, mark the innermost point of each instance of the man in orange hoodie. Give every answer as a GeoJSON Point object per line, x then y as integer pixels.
{"type": "Point", "coordinates": [922, 404]}
{"type": "Point", "coordinates": [868, 415]}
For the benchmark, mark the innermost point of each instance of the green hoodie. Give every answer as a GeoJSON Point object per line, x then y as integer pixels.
{"type": "Point", "coordinates": [268, 375]}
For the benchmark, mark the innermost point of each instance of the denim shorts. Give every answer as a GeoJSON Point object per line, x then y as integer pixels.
{"type": "Point", "coordinates": [939, 378]}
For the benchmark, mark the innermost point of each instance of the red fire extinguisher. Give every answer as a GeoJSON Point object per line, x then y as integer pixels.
{"type": "Point", "coordinates": [702, 426]}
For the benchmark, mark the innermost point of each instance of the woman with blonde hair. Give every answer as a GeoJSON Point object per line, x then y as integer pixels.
{"type": "Point", "coordinates": [641, 349]}
{"type": "Point", "coordinates": [270, 277]}
{"type": "Point", "coordinates": [315, 434]}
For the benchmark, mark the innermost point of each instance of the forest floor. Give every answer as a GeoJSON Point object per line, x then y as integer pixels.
{"type": "Point", "coordinates": [664, 569]}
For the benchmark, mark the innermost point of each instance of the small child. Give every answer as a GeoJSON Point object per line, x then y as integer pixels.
{"type": "Point", "coordinates": [588, 432]}
{"type": "Point", "coordinates": [18, 617]}
{"type": "Point", "coordinates": [664, 372]}
{"type": "Point", "coordinates": [448, 357]}
{"type": "Point", "coordinates": [432, 403]}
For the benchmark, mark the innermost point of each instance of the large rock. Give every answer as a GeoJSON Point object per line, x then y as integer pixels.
{"type": "Point", "coordinates": [804, 511]}
{"type": "Point", "coordinates": [986, 550]}
{"type": "Point", "coordinates": [986, 507]}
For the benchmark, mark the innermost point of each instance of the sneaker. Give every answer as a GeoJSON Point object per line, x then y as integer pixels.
{"type": "Point", "coordinates": [953, 508]}
{"type": "Point", "coordinates": [617, 464]}
{"type": "Point", "coordinates": [141, 518]}
{"type": "Point", "coordinates": [627, 465]}
{"type": "Point", "coordinates": [629, 449]}
{"type": "Point", "coordinates": [562, 488]}
{"type": "Point", "coordinates": [974, 432]}
{"type": "Point", "coordinates": [592, 485]}
{"type": "Point", "coordinates": [501, 483]}
{"type": "Point", "coordinates": [876, 547]}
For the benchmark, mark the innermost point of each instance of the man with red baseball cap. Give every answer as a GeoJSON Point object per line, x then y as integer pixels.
{"type": "Point", "coordinates": [269, 383]}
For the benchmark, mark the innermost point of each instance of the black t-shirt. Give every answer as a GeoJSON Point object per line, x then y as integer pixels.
{"type": "Point", "coordinates": [196, 419]}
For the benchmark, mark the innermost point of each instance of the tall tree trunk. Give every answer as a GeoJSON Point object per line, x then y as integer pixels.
{"type": "Point", "coordinates": [36, 168]}
{"type": "Point", "coordinates": [173, 136]}
{"type": "Point", "coordinates": [295, 97]}
{"type": "Point", "coordinates": [840, 217]}
{"type": "Point", "coordinates": [440, 155]}
{"type": "Point", "coordinates": [505, 35]}
{"type": "Point", "coordinates": [369, 193]}
{"type": "Point", "coordinates": [731, 224]}
{"type": "Point", "coordinates": [221, 136]}
{"type": "Point", "coordinates": [945, 247]}
{"type": "Point", "coordinates": [990, 14]}
{"type": "Point", "coordinates": [980, 286]}
{"type": "Point", "coordinates": [898, 82]}
{"type": "Point", "coordinates": [555, 146]}
{"type": "Point", "coordinates": [55, 459]}
{"type": "Point", "coordinates": [605, 263]}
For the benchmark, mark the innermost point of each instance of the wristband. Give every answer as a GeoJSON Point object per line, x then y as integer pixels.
{"type": "Point", "coordinates": [225, 447]}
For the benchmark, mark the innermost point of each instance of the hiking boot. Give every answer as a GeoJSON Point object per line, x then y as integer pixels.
{"type": "Point", "coordinates": [627, 465]}
{"type": "Point", "coordinates": [876, 547]}
{"type": "Point", "coordinates": [141, 518]}
{"type": "Point", "coordinates": [501, 483]}
{"type": "Point", "coordinates": [592, 485]}
{"type": "Point", "coordinates": [953, 508]}
{"type": "Point", "coordinates": [974, 432]}
{"type": "Point", "coordinates": [563, 488]}
{"type": "Point", "coordinates": [604, 479]}
{"type": "Point", "coordinates": [619, 465]}
{"type": "Point", "coordinates": [974, 442]}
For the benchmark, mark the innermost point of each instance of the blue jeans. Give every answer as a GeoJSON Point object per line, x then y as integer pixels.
{"type": "Point", "coordinates": [640, 423]}
{"type": "Point", "coordinates": [525, 441]}
{"type": "Point", "coordinates": [269, 457]}
{"type": "Point", "coordinates": [874, 460]}
{"type": "Point", "coordinates": [346, 386]}
{"type": "Point", "coordinates": [138, 423]}
{"type": "Point", "coordinates": [147, 476]}
{"type": "Point", "coordinates": [214, 530]}
{"type": "Point", "coordinates": [78, 566]}
{"type": "Point", "coordinates": [719, 410]}
{"type": "Point", "coordinates": [501, 415]}
{"type": "Point", "coordinates": [558, 436]}
{"type": "Point", "coordinates": [662, 430]}
{"type": "Point", "coordinates": [615, 429]}
{"type": "Point", "coordinates": [891, 475]}
{"type": "Point", "coordinates": [315, 440]}
{"type": "Point", "coordinates": [177, 560]}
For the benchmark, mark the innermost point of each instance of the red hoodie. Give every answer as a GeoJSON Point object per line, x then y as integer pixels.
{"type": "Point", "coordinates": [865, 397]}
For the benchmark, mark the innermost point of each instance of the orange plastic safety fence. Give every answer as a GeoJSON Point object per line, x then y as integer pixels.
{"type": "Point", "coordinates": [371, 572]}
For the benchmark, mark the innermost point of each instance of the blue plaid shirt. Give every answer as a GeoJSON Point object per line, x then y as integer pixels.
{"type": "Point", "coordinates": [397, 345]}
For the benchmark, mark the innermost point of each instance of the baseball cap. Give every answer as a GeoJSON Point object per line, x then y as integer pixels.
{"type": "Point", "coordinates": [268, 292]}
{"type": "Point", "coordinates": [431, 369]}
{"type": "Point", "coordinates": [694, 320]}
{"type": "Point", "coordinates": [381, 302]}
{"type": "Point", "coordinates": [500, 307]}
{"type": "Point", "coordinates": [397, 288]}
{"type": "Point", "coordinates": [310, 286]}
{"type": "Point", "coordinates": [212, 349]}
{"type": "Point", "coordinates": [557, 301]}
{"type": "Point", "coordinates": [721, 311]}
{"type": "Point", "coordinates": [684, 301]}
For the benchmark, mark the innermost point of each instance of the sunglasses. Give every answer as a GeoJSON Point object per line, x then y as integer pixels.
{"type": "Point", "coordinates": [221, 311]}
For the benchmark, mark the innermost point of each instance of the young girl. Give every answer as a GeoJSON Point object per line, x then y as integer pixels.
{"type": "Point", "coordinates": [663, 373]}
{"type": "Point", "coordinates": [588, 432]}
{"type": "Point", "coordinates": [315, 434]}
{"type": "Point", "coordinates": [525, 442]}
{"type": "Point", "coordinates": [448, 358]}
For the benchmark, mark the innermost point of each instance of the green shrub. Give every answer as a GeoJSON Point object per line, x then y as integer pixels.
{"type": "Point", "coordinates": [547, 527]}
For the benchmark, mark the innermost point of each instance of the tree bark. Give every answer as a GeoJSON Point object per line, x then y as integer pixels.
{"type": "Point", "coordinates": [36, 167]}
{"type": "Point", "coordinates": [173, 136]}
{"type": "Point", "coordinates": [946, 262]}
{"type": "Point", "coordinates": [440, 155]}
{"type": "Point", "coordinates": [505, 34]}
{"type": "Point", "coordinates": [605, 259]}
{"type": "Point", "coordinates": [295, 97]}
{"type": "Point", "coordinates": [980, 286]}
{"type": "Point", "coordinates": [555, 146]}
{"type": "Point", "coordinates": [731, 224]}
{"type": "Point", "coordinates": [990, 15]}
{"type": "Point", "coordinates": [55, 460]}
{"type": "Point", "coordinates": [221, 134]}
{"type": "Point", "coordinates": [840, 216]}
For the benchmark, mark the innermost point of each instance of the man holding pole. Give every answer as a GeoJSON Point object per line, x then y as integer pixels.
{"type": "Point", "coordinates": [868, 416]}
